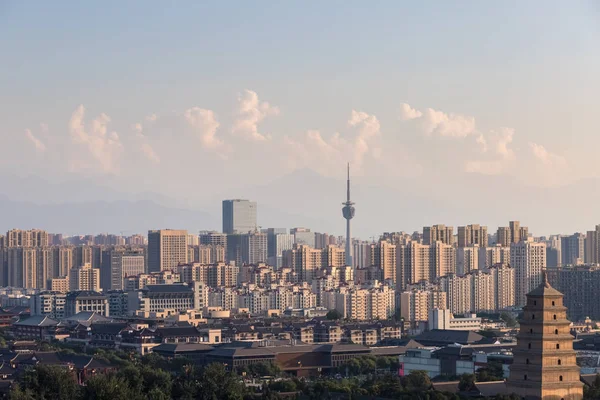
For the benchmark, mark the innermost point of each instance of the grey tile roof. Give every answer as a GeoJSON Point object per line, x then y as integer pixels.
{"type": "Point", "coordinates": [36, 320]}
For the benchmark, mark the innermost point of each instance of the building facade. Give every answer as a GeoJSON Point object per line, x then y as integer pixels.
{"type": "Point", "coordinates": [239, 216]}
{"type": "Point", "coordinates": [167, 248]}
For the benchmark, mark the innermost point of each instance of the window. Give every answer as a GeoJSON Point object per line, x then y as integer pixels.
{"type": "Point", "coordinates": [531, 331]}
{"type": "Point", "coordinates": [535, 303]}
{"type": "Point", "coordinates": [559, 362]}
{"type": "Point", "coordinates": [532, 316]}
{"type": "Point", "coordinates": [529, 346]}
{"type": "Point", "coordinates": [527, 361]}
{"type": "Point", "coordinates": [552, 303]}
{"type": "Point", "coordinates": [554, 316]}
{"type": "Point", "coordinates": [525, 378]}
{"type": "Point", "coordinates": [560, 378]}
{"type": "Point", "coordinates": [557, 346]}
{"type": "Point", "coordinates": [556, 331]}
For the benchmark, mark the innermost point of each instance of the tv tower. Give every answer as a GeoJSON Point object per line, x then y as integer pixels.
{"type": "Point", "coordinates": [348, 213]}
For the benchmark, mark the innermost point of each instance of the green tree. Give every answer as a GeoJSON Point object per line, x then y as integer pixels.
{"type": "Point", "coordinates": [510, 321]}
{"type": "Point", "coordinates": [592, 391]}
{"type": "Point", "coordinates": [16, 393]}
{"type": "Point", "coordinates": [466, 382]}
{"type": "Point", "coordinates": [333, 315]}
{"type": "Point", "coordinates": [109, 387]}
{"type": "Point", "coordinates": [133, 376]}
{"type": "Point", "coordinates": [492, 372]}
{"type": "Point", "coordinates": [157, 382]}
{"type": "Point", "coordinates": [417, 381]}
{"type": "Point", "coordinates": [50, 382]}
{"type": "Point", "coordinates": [284, 386]}
{"type": "Point", "coordinates": [216, 383]}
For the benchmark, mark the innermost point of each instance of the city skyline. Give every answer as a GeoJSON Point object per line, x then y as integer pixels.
{"type": "Point", "coordinates": [414, 121]}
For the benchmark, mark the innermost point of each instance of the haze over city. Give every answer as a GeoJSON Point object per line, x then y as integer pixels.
{"type": "Point", "coordinates": [269, 200]}
{"type": "Point", "coordinates": [448, 112]}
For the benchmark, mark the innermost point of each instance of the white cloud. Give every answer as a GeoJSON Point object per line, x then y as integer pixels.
{"type": "Point", "coordinates": [485, 167]}
{"type": "Point", "coordinates": [250, 113]}
{"type": "Point", "coordinates": [502, 139]}
{"type": "Point", "coordinates": [431, 121]}
{"type": "Point", "coordinates": [325, 155]}
{"type": "Point", "coordinates": [407, 112]}
{"type": "Point", "coordinates": [150, 153]}
{"type": "Point", "coordinates": [206, 124]}
{"type": "Point", "coordinates": [37, 143]}
{"type": "Point", "coordinates": [139, 129]}
{"type": "Point", "coordinates": [482, 142]}
{"type": "Point", "coordinates": [547, 158]}
{"type": "Point", "coordinates": [368, 127]}
{"type": "Point", "coordinates": [498, 161]}
{"type": "Point", "coordinates": [102, 146]}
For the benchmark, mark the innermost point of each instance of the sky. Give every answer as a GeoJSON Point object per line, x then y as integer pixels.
{"type": "Point", "coordinates": [200, 100]}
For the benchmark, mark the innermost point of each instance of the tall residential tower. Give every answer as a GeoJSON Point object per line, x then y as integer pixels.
{"type": "Point", "coordinates": [348, 212]}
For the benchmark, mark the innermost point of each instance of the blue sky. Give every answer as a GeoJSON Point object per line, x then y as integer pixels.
{"type": "Point", "coordinates": [185, 71]}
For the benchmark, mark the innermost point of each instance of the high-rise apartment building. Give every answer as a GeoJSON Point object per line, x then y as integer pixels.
{"type": "Point", "coordinates": [26, 238]}
{"type": "Point", "coordinates": [442, 233]}
{"type": "Point", "coordinates": [239, 216]}
{"type": "Point", "coordinates": [22, 267]}
{"type": "Point", "coordinates": [467, 259]}
{"type": "Point", "coordinates": [4, 279]}
{"type": "Point", "coordinates": [303, 236]}
{"type": "Point", "coordinates": [503, 237]}
{"type": "Point", "coordinates": [382, 255]}
{"type": "Point", "coordinates": [213, 238]}
{"type": "Point", "coordinates": [580, 286]}
{"type": "Point", "coordinates": [528, 258]}
{"type": "Point", "coordinates": [167, 248]}
{"type": "Point", "coordinates": [504, 286]}
{"type": "Point", "coordinates": [514, 233]}
{"type": "Point", "coordinates": [592, 246]}
{"type": "Point", "coordinates": [360, 258]}
{"type": "Point", "coordinates": [323, 240]}
{"type": "Point", "coordinates": [416, 262]}
{"type": "Point", "coordinates": [366, 303]}
{"type": "Point", "coordinates": [483, 297]}
{"type": "Point", "coordinates": [248, 248]}
{"type": "Point", "coordinates": [458, 291]}
{"type": "Point", "coordinates": [475, 291]}
{"type": "Point", "coordinates": [63, 261]}
{"type": "Point", "coordinates": [490, 256]}
{"type": "Point", "coordinates": [119, 262]}
{"type": "Point", "coordinates": [472, 235]}
{"type": "Point", "coordinates": [277, 244]}
{"type": "Point", "coordinates": [306, 261]}
{"type": "Point", "coordinates": [573, 249]}
{"type": "Point", "coordinates": [207, 254]}
{"type": "Point", "coordinates": [416, 304]}
{"type": "Point", "coordinates": [554, 251]}
{"type": "Point", "coordinates": [84, 277]}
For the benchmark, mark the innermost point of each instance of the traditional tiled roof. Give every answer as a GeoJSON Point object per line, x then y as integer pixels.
{"type": "Point", "coordinates": [449, 336]}
{"type": "Point", "coordinates": [110, 328]}
{"type": "Point", "coordinates": [177, 331]}
{"type": "Point", "coordinates": [36, 320]}
{"type": "Point", "coordinates": [182, 348]}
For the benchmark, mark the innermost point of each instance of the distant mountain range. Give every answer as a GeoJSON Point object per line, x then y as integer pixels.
{"type": "Point", "coordinates": [302, 198]}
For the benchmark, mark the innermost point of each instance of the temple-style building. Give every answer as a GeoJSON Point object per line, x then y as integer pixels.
{"type": "Point", "coordinates": [544, 365]}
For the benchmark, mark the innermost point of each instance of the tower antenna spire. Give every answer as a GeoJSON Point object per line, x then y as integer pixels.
{"type": "Point", "coordinates": [348, 212]}
{"type": "Point", "coordinates": [348, 184]}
